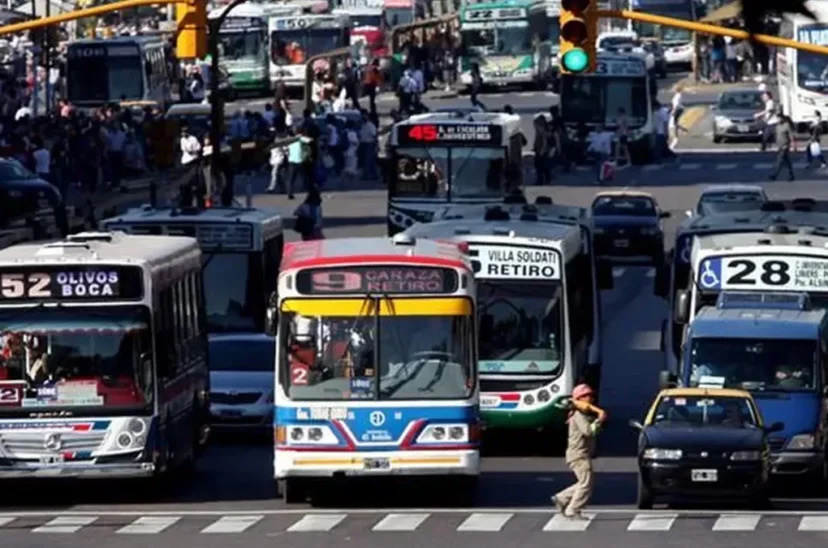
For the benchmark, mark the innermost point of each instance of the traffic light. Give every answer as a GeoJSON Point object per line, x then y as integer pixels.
{"type": "Point", "coordinates": [578, 34]}
{"type": "Point", "coordinates": [191, 17]}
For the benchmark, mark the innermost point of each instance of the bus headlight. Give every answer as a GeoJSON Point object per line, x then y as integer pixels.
{"type": "Point", "coordinates": [296, 434]}
{"type": "Point", "coordinates": [137, 426]}
{"type": "Point", "coordinates": [544, 396]}
{"type": "Point", "coordinates": [125, 440]}
{"type": "Point", "coordinates": [442, 433]}
{"type": "Point", "coordinates": [528, 399]}
{"type": "Point", "coordinates": [311, 435]}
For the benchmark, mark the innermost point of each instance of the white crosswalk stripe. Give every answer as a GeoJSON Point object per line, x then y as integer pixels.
{"type": "Point", "coordinates": [316, 522]}
{"type": "Point", "coordinates": [488, 522]}
{"type": "Point", "coordinates": [148, 525]}
{"type": "Point", "coordinates": [561, 523]}
{"type": "Point", "coordinates": [65, 524]}
{"type": "Point", "coordinates": [689, 167]}
{"type": "Point", "coordinates": [652, 522]}
{"type": "Point", "coordinates": [763, 165]}
{"type": "Point", "coordinates": [737, 522]}
{"type": "Point", "coordinates": [400, 522]}
{"type": "Point", "coordinates": [232, 524]}
{"type": "Point", "coordinates": [813, 523]}
{"type": "Point", "coordinates": [618, 271]}
{"type": "Point", "coordinates": [722, 167]}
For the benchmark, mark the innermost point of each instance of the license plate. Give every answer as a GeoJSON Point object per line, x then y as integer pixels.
{"type": "Point", "coordinates": [704, 475]}
{"type": "Point", "coordinates": [489, 401]}
{"type": "Point", "coordinates": [230, 413]}
{"type": "Point", "coordinates": [51, 460]}
{"type": "Point", "coordinates": [741, 128]}
{"type": "Point", "coordinates": [377, 464]}
{"type": "Point", "coordinates": [621, 243]}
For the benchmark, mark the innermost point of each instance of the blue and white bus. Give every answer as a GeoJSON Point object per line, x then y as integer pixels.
{"type": "Point", "coordinates": [376, 363]}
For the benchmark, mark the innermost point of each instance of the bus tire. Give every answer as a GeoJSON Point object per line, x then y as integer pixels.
{"type": "Point", "coordinates": [293, 490]}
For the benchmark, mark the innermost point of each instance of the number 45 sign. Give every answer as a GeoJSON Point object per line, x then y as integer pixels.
{"type": "Point", "coordinates": [769, 272]}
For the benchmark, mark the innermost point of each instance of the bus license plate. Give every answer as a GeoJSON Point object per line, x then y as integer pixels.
{"type": "Point", "coordinates": [622, 243]}
{"type": "Point", "coordinates": [708, 476]}
{"type": "Point", "coordinates": [377, 464]}
{"type": "Point", "coordinates": [489, 401]}
{"type": "Point", "coordinates": [51, 460]}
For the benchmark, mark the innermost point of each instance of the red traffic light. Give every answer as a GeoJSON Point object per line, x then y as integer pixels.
{"type": "Point", "coordinates": [574, 31]}
{"type": "Point", "coordinates": [575, 5]}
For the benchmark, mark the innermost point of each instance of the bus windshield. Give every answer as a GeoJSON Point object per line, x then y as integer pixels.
{"type": "Point", "coordinates": [292, 47]}
{"type": "Point", "coordinates": [754, 364]}
{"type": "Point", "coordinates": [101, 79]}
{"type": "Point", "coordinates": [520, 327]}
{"type": "Point", "coordinates": [439, 172]}
{"type": "Point", "coordinates": [230, 285]}
{"type": "Point", "coordinates": [73, 357]}
{"type": "Point", "coordinates": [513, 39]}
{"type": "Point", "coordinates": [372, 356]}
{"type": "Point", "coordinates": [242, 45]}
{"type": "Point", "coordinates": [597, 99]}
{"type": "Point", "coordinates": [812, 68]}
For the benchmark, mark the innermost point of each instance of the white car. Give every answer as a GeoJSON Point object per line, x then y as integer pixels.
{"type": "Point", "coordinates": [728, 198]}
{"type": "Point", "coordinates": [678, 53]}
{"type": "Point", "coordinates": [624, 41]}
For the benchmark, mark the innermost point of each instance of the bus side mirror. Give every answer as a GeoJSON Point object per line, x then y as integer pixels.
{"type": "Point", "coordinates": [604, 271]}
{"type": "Point", "coordinates": [661, 281]}
{"type": "Point", "coordinates": [667, 380]}
{"type": "Point", "coordinates": [681, 308]}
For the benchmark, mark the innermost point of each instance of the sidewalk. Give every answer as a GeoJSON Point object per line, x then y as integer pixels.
{"type": "Point", "coordinates": [691, 86]}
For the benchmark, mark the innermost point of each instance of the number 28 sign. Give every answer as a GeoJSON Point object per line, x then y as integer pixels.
{"type": "Point", "coordinates": [764, 272]}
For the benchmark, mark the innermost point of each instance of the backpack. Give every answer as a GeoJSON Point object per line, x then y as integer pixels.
{"type": "Point", "coordinates": [304, 223]}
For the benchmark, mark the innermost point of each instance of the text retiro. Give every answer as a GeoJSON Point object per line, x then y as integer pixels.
{"type": "Point", "coordinates": [390, 281]}
{"type": "Point", "coordinates": [521, 263]}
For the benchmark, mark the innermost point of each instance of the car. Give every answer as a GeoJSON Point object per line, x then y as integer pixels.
{"type": "Point", "coordinates": [625, 41]}
{"type": "Point", "coordinates": [733, 115]}
{"type": "Point", "coordinates": [26, 200]}
{"type": "Point", "coordinates": [729, 198]}
{"type": "Point", "coordinates": [678, 53]}
{"type": "Point", "coordinates": [628, 224]}
{"type": "Point", "coordinates": [703, 443]}
{"type": "Point", "coordinates": [241, 381]}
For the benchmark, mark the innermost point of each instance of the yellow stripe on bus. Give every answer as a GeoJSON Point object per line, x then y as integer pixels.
{"type": "Point", "coordinates": [451, 306]}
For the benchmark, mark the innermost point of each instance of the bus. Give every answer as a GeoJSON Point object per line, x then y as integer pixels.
{"type": "Point", "coordinates": [511, 42]}
{"type": "Point", "coordinates": [620, 81]}
{"type": "Point", "coordinates": [444, 158]}
{"type": "Point", "coordinates": [674, 279]}
{"type": "Point", "coordinates": [296, 38]}
{"type": "Point", "coordinates": [376, 363]}
{"type": "Point", "coordinates": [241, 249]}
{"type": "Point", "coordinates": [369, 28]}
{"type": "Point", "coordinates": [115, 70]}
{"type": "Point", "coordinates": [104, 365]}
{"type": "Point", "coordinates": [539, 307]}
{"type": "Point", "coordinates": [802, 76]}
{"type": "Point", "coordinates": [243, 47]}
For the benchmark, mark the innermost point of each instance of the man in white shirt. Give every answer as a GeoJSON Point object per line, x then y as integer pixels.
{"type": "Point", "coordinates": [42, 159]}
{"type": "Point", "coordinates": [662, 127]}
{"type": "Point", "coordinates": [190, 147]}
{"type": "Point", "coordinates": [601, 145]}
{"type": "Point", "coordinates": [368, 147]}
{"type": "Point", "coordinates": [768, 116]}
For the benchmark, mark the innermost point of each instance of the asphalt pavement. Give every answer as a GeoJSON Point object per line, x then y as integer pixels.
{"type": "Point", "coordinates": [230, 501]}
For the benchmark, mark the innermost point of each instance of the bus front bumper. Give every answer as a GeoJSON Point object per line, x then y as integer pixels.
{"type": "Point", "coordinates": [465, 462]}
{"type": "Point", "coordinates": [78, 470]}
{"type": "Point", "coordinates": [541, 417]}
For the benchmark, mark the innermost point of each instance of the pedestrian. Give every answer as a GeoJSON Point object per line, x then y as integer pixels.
{"type": "Point", "coordinates": [278, 163]}
{"type": "Point", "coordinates": [601, 147]}
{"type": "Point", "coordinates": [351, 146]}
{"type": "Point", "coordinates": [662, 127]}
{"type": "Point", "coordinates": [676, 110]}
{"type": "Point", "coordinates": [541, 149]}
{"type": "Point", "coordinates": [116, 140]}
{"type": "Point", "coordinates": [785, 145]}
{"type": "Point", "coordinates": [585, 422]}
{"type": "Point", "coordinates": [309, 216]}
{"type": "Point", "coordinates": [190, 146]}
{"type": "Point", "coordinates": [622, 149]}
{"type": "Point", "coordinates": [476, 86]}
{"type": "Point", "coordinates": [768, 118]}
{"type": "Point", "coordinates": [42, 160]}
{"type": "Point", "coordinates": [368, 147]}
{"type": "Point", "coordinates": [372, 80]}
{"type": "Point", "coordinates": [814, 149]}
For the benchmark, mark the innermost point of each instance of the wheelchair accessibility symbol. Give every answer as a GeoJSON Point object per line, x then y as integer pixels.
{"type": "Point", "coordinates": [710, 276]}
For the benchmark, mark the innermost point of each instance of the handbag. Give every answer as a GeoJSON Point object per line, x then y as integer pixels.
{"type": "Point", "coordinates": [814, 149]}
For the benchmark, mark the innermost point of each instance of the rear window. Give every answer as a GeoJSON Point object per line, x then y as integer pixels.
{"type": "Point", "coordinates": [613, 205]}
{"type": "Point", "coordinates": [242, 355]}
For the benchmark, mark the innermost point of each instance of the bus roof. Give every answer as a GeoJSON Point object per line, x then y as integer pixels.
{"type": "Point", "coordinates": [120, 41]}
{"type": "Point", "coordinates": [89, 247]}
{"type": "Point", "coordinates": [712, 322]}
{"type": "Point", "coordinates": [489, 4]}
{"type": "Point", "coordinates": [247, 9]}
{"type": "Point", "coordinates": [763, 243]}
{"type": "Point", "coordinates": [753, 221]}
{"type": "Point", "coordinates": [364, 10]}
{"type": "Point", "coordinates": [400, 249]}
{"type": "Point", "coordinates": [549, 213]}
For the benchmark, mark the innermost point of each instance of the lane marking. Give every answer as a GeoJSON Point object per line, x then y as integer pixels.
{"type": "Point", "coordinates": [232, 524]}
{"type": "Point", "coordinates": [737, 523]}
{"type": "Point", "coordinates": [618, 271]}
{"type": "Point", "coordinates": [66, 524]}
{"type": "Point", "coordinates": [719, 150]}
{"type": "Point", "coordinates": [813, 523]}
{"type": "Point", "coordinates": [726, 166]}
{"type": "Point", "coordinates": [763, 165]}
{"type": "Point", "coordinates": [691, 116]}
{"type": "Point", "coordinates": [316, 522]}
{"type": "Point", "coordinates": [689, 167]}
{"type": "Point", "coordinates": [561, 523]}
{"type": "Point", "coordinates": [487, 523]}
{"type": "Point", "coordinates": [147, 525]}
{"type": "Point", "coordinates": [400, 522]}
{"type": "Point", "coordinates": [652, 167]}
{"type": "Point", "coordinates": [649, 522]}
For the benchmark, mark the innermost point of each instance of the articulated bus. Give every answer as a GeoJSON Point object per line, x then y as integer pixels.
{"type": "Point", "coordinates": [241, 249]}
{"type": "Point", "coordinates": [510, 40]}
{"type": "Point", "coordinates": [103, 371]}
{"type": "Point", "coordinates": [444, 158]}
{"type": "Point", "coordinates": [803, 76]}
{"type": "Point", "coordinates": [539, 319]}
{"type": "Point", "coordinates": [675, 277]}
{"type": "Point", "coordinates": [296, 38]}
{"type": "Point", "coordinates": [376, 363]}
{"type": "Point", "coordinates": [243, 47]}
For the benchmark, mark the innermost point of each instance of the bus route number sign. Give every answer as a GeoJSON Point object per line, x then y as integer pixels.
{"type": "Point", "coordinates": [450, 133]}
{"type": "Point", "coordinates": [376, 279]}
{"type": "Point", "coordinates": [73, 283]}
{"type": "Point", "coordinates": [764, 272]}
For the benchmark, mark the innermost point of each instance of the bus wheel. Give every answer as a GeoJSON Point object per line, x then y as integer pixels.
{"type": "Point", "coordinates": [293, 490]}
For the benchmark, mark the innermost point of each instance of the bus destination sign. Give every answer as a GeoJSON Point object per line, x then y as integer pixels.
{"type": "Point", "coordinates": [514, 263]}
{"type": "Point", "coordinates": [473, 134]}
{"type": "Point", "coordinates": [70, 283]}
{"type": "Point", "coordinates": [393, 279]}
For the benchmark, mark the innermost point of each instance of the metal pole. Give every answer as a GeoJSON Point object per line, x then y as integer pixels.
{"type": "Point", "coordinates": [48, 63]}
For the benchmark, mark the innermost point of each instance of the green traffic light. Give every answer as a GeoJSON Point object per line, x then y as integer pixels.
{"type": "Point", "coordinates": [575, 60]}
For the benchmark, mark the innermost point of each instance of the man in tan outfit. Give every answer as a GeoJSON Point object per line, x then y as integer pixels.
{"type": "Point", "coordinates": [583, 429]}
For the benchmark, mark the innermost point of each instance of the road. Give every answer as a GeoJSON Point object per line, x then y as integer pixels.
{"type": "Point", "coordinates": [230, 501]}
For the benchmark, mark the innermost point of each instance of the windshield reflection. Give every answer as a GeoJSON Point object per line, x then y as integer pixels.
{"type": "Point", "coordinates": [474, 172]}
{"type": "Point", "coordinates": [236, 46]}
{"type": "Point", "coordinates": [704, 411]}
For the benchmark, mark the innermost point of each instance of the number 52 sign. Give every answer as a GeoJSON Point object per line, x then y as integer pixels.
{"type": "Point", "coordinates": [768, 272]}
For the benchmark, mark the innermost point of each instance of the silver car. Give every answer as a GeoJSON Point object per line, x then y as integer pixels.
{"type": "Point", "coordinates": [241, 381]}
{"type": "Point", "coordinates": [734, 115]}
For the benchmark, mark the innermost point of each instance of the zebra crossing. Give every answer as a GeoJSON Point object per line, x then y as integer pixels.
{"type": "Point", "coordinates": [492, 522]}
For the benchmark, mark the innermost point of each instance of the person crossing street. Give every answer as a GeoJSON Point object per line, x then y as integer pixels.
{"type": "Point", "coordinates": [585, 421]}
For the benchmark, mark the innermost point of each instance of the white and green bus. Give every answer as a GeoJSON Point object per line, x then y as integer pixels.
{"type": "Point", "coordinates": [243, 48]}
{"type": "Point", "coordinates": [511, 41]}
{"type": "Point", "coordinates": [538, 290]}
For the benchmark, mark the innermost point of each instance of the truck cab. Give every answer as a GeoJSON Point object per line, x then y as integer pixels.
{"type": "Point", "coordinates": [774, 345]}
